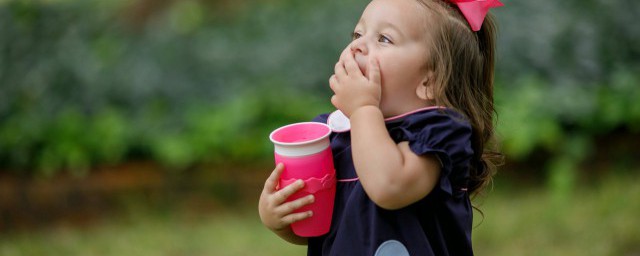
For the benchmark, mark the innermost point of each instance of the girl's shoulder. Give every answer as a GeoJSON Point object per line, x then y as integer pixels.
{"type": "Point", "coordinates": [436, 118]}
{"type": "Point", "coordinates": [442, 131]}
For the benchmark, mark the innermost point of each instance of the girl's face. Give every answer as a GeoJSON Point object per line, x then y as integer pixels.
{"type": "Point", "coordinates": [393, 32]}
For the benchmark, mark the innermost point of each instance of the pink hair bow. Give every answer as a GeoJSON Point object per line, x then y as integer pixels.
{"type": "Point", "coordinates": [475, 10]}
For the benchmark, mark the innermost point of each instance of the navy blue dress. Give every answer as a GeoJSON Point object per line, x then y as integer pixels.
{"type": "Point", "coordinates": [438, 224]}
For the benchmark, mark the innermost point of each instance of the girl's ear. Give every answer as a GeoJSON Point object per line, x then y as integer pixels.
{"type": "Point", "coordinates": [425, 90]}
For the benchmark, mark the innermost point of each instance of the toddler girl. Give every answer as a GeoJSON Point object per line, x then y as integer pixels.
{"type": "Point", "coordinates": [416, 83]}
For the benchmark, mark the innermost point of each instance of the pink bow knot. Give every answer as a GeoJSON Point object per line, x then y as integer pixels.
{"type": "Point", "coordinates": [474, 11]}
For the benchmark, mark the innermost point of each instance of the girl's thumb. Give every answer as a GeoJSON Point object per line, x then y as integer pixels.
{"type": "Point", "coordinates": [374, 71]}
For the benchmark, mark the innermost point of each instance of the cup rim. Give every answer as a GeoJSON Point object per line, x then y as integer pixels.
{"type": "Point", "coordinates": [302, 142]}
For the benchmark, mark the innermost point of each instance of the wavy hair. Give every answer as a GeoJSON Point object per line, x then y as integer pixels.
{"type": "Point", "coordinates": [462, 62]}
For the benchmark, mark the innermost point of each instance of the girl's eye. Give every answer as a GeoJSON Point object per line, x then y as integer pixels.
{"type": "Point", "coordinates": [384, 39]}
{"type": "Point", "coordinates": [355, 35]}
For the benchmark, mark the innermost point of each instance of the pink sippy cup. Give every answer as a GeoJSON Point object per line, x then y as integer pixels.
{"type": "Point", "coordinates": [304, 150]}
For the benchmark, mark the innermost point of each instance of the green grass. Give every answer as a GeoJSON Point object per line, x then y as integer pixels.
{"type": "Point", "coordinates": [599, 219]}
{"type": "Point", "coordinates": [145, 233]}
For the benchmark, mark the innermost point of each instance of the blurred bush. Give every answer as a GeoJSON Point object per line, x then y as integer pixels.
{"type": "Point", "coordinates": [187, 82]}
{"type": "Point", "coordinates": [88, 82]}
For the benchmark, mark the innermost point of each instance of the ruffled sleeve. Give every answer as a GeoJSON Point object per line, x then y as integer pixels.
{"type": "Point", "coordinates": [444, 133]}
{"type": "Point", "coordinates": [322, 118]}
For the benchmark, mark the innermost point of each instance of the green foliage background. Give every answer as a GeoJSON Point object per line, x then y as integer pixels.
{"type": "Point", "coordinates": [85, 83]}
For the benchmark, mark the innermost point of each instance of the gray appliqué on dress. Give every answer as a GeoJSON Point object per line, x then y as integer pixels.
{"type": "Point", "coordinates": [392, 248]}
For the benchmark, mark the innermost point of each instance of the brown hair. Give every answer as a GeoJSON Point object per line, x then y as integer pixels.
{"type": "Point", "coordinates": [462, 63]}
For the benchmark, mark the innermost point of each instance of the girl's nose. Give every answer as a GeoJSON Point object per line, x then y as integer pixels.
{"type": "Point", "coordinates": [359, 46]}
{"type": "Point", "coordinates": [360, 52]}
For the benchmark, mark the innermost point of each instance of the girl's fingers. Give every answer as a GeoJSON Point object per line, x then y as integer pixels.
{"type": "Point", "coordinates": [333, 82]}
{"type": "Point", "coordinates": [289, 207]}
{"type": "Point", "coordinates": [351, 65]}
{"type": "Point", "coordinates": [374, 72]}
{"type": "Point", "coordinates": [272, 182]}
{"type": "Point", "coordinates": [284, 193]}
{"type": "Point", "coordinates": [345, 53]}
{"type": "Point", "coordinates": [339, 70]}
{"type": "Point", "coordinates": [291, 218]}
{"type": "Point", "coordinates": [334, 101]}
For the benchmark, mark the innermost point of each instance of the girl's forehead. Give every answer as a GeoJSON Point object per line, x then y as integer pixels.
{"type": "Point", "coordinates": [408, 16]}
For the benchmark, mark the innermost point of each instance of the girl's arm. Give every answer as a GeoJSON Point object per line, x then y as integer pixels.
{"type": "Point", "coordinates": [391, 174]}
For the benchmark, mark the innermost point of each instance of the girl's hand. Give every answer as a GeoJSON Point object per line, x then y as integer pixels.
{"type": "Point", "coordinates": [352, 88]}
{"type": "Point", "coordinates": [275, 213]}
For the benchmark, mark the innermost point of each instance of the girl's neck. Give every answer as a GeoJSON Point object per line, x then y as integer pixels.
{"type": "Point", "coordinates": [400, 116]}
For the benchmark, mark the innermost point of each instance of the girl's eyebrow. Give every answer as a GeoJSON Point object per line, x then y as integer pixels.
{"type": "Point", "coordinates": [391, 26]}
{"type": "Point", "coordinates": [383, 25]}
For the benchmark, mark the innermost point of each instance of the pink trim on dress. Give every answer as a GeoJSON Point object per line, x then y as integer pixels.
{"type": "Point", "coordinates": [413, 112]}
{"type": "Point", "coordinates": [348, 180]}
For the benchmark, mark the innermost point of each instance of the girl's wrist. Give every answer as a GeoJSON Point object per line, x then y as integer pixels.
{"type": "Point", "coordinates": [366, 110]}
